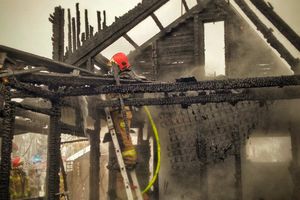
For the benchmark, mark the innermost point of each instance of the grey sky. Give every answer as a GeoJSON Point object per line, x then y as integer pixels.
{"type": "Point", "coordinates": [24, 24]}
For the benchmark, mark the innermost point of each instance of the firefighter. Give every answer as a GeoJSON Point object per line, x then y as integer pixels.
{"type": "Point", "coordinates": [128, 149]}
{"type": "Point", "coordinates": [19, 186]}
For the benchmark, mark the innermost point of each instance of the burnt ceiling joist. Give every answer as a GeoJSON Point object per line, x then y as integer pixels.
{"type": "Point", "coordinates": [257, 82]}
{"type": "Point", "coordinates": [39, 61]}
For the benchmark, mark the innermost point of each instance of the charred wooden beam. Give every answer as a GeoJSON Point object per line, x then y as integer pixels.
{"type": "Point", "coordinates": [6, 143]}
{"type": "Point", "coordinates": [71, 80]}
{"type": "Point", "coordinates": [185, 5]}
{"type": "Point", "coordinates": [74, 34]}
{"type": "Point", "coordinates": [44, 111]}
{"type": "Point", "coordinates": [53, 154]}
{"type": "Point", "coordinates": [32, 90]}
{"type": "Point", "coordinates": [102, 62]}
{"type": "Point", "coordinates": [35, 60]}
{"type": "Point", "coordinates": [69, 32]}
{"type": "Point", "coordinates": [271, 39]}
{"type": "Point", "coordinates": [261, 82]}
{"type": "Point", "coordinates": [74, 130]}
{"type": "Point", "coordinates": [290, 93]}
{"type": "Point", "coordinates": [278, 22]}
{"type": "Point", "coordinates": [91, 31]}
{"type": "Point", "coordinates": [156, 20]}
{"type": "Point", "coordinates": [23, 126]}
{"type": "Point", "coordinates": [77, 25]}
{"type": "Point", "coordinates": [95, 161]}
{"type": "Point", "coordinates": [8, 73]}
{"type": "Point", "coordinates": [104, 26]}
{"type": "Point", "coordinates": [135, 45]}
{"type": "Point", "coordinates": [238, 165]}
{"type": "Point", "coordinates": [199, 49]}
{"type": "Point", "coordinates": [155, 64]}
{"type": "Point", "coordinates": [114, 32]}
{"type": "Point", "coordinates": [195, 10]}
{"type": "Point", "coordinates": [99, 20]}
{"type": "Point", "coordinates": [58, 34]}
{"type": "Point", "coordinates": [87, 30]}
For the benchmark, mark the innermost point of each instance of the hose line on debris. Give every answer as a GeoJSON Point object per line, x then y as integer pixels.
{"type": "Point", "coordinates": [158, 150]}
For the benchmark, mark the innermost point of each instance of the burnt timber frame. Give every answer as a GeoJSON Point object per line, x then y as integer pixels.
{"type": "Point", "coordinates": [90, 49]}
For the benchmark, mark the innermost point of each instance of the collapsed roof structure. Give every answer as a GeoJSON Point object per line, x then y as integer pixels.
{"type": "Point", "coordinates": [200, 122]}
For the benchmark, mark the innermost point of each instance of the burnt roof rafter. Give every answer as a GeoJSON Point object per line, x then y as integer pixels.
{"type": "Point", "coordinates": [113, 32]}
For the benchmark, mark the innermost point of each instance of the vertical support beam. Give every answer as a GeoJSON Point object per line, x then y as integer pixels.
{"type": "Point", "coordinates": [155, 59]}
{"type": "Point", "coordinates": [69, 31]}
{"type": "Point", "coordinates": [58, 34]}
{"type": "Point", "coordinates": [78, 25]}
{"type": "Point", "coordinates": [202, 155]}
{"type": "Point", "coordinates": [87, 27]}
{"type": "Point", "coordinates": [228, 26]}
{"type": "Point", "coordinates": [74, 34]}
{"type": "Point", "coordinates": [104, 20]}
{"type": "Point", "coordinates": [238, 166]}
{"type": "Point", "coordinates": [295, 163]}
{"type": "Point", "coordinates": [99, 20]}
{"type": "Point", "coordinates": [95, 161]}
{"type": "Point", "coordinates": [91, 31]}
{"type": "Point", "coordinates": [199, 56]}
{"type": "Point", "coordinates": [53, 154]}
{"type": "Point", "coordinates": [6, 140]}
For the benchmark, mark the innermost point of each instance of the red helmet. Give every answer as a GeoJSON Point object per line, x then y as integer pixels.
{"type": "Point", "coordinates": [122, 61]}
{"type": "Point", "coordinates": [16, 162]}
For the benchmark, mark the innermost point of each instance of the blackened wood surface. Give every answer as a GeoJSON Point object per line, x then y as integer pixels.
{"type": "Point", "coordinates": [6, 147]}
{"type": "Point", "coordinates": [77, 25]}
{"type": "Point", "coordinates": [95, 162]}
{"type": "Point", "coordinates": [35, 60]}
{"type": "Point", "coordinates": [114, 32]}
{"type": "Point", "coordinates": [53, 154]}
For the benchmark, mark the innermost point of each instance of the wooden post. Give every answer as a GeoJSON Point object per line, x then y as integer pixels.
{"type": "Point", "coordinates": [155, 59]}
{"type": "Point", "coordinates": [295, 163]}
{"type": "Point", "coordinates": [69, 31]}
{"type": "Point", "coordinates": [6, 142]}
{"type": "Point", "coordinates": [228, 26]}
{"type": "Point", "coordinates": [77, 25]}
{"type": "Point", "coordinates": [74, 34]}
{"type": "Point", "coordinates": [95, 161]}
{"type": "Point", "coordinates": [104, 20]}
{"type": "Point", "coordinates": [87, 30]}
{"type": "Point", "coordinates": [99, 20]}
{"type": "Point", "coordinates": [199, 45]}
{"type": "Point", "coordinates": [238, 166]}
{"type": "Point", "coordinates": [202, 155]}
{"type": "Point", "coordinates": [53, 154]}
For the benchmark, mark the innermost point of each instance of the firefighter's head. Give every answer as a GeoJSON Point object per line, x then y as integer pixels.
{"type": "Point", "coordinates": [17, 162]}
{"type": "Point", "coordinates": [121, 60]}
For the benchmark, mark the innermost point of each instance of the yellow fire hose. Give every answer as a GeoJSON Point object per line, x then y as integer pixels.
{"type": "Point", "coordinates": [158, 150]}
